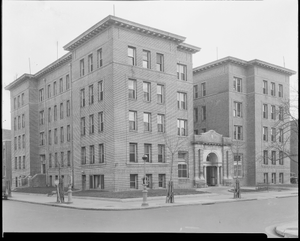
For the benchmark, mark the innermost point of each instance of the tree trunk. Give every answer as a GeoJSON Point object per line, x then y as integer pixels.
{"type": "Point", "coordinates": [170, 193]}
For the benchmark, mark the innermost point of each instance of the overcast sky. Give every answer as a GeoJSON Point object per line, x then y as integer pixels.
{"type": "Point", "coordinates": [265, 30]}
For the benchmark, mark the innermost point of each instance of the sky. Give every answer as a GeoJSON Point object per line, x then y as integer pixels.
{"type": "Point", "coordinates": [35, 31]}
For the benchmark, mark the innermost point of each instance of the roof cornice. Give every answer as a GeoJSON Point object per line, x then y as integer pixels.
{"type": "Point", "coordinates": [243, 63]}
{"type": "Point", "coordinates": [188, 48]}
{"type": "Point", "coordinates": [18, 80]}
{"type": "Point", "coordinates": [112, 20]}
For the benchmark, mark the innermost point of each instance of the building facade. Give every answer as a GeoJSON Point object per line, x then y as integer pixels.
{"type": "Point", "coordinates": [242, 100]}
{"type": "Point", "coordinates": [6, 155]}
{"type": "Point", "coordinates": [123, 90]}
{"type": "Point", "coordinates": [294, 148]}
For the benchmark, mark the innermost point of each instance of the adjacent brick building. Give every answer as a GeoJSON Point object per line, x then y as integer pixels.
{"type": "Point", "coordinates": [6, 154]}
{"type": "Point", "coordinates": [241, 100]}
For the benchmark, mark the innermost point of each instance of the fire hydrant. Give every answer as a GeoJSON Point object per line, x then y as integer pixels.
{"type": "Point", "coordinates": [69, 194]}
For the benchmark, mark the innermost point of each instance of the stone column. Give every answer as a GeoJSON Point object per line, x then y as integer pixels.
{"type": "Point", "coordinates": [218, 176]}
{"type": "Point", "coordinates": [205, 174]}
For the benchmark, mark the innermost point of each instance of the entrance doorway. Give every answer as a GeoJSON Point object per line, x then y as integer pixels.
{"type": "Point", "coordinates": [83, 181]}
{"type": "Point", "coordinates": [211, 178]}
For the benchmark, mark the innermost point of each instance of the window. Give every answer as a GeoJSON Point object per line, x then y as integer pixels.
{"type": "Point", "coordinates": [195, 91]}
{"type": "Point", "coordinates": [20, 163]}
{"type": "Point", "coordinates": [132, 120]}
{"type": "Point", "coordinates": [273, 93]}
{"type": "Point", "coordinates": [131, 89]}
{"type": "Point", "coordinates": [273, 156]}
{"type": "Point", "coordinates": [182, 170]}
{"type": "Point", "coordinates": [273, 178]}
{"type": "Point", "coordinates": [22, 97]}
{"type": "Point", "coordinates": [146, 59]}
{"type": "Point", "coordinates": [19, 142]}
{"type": "Point", "coordinates": [90, 63]}
{"type": "Point", "coordinates": [147, 91]}
{"type": "Point", "coordinates": [148, 152]}
{"type": "Point", "coordinates": [281, 177]}
{"type": "Point", "coordinates": [100, 90]}
{"type": "Point", "coordinates": [161, 153]}
{"type": "Point", "coordinates": [147, 122]}
{"type": "Point", "coordinates": [196, 132]}
{"type": "Point", "coordinates": [15, 123]}
{"type": "Point", "coordinates": [160, 123]}
{"type": "Point", "coordinates": [237, 109]}
{"type": "Point", "coordinates": [181, 127]}
{"type": "Point", "coordinates": [82, 97]}
{"type": "Point", "coordinates": [41, 138]}
{"type": "Point", "coordinates": [54, 88]}
{"type": "Point", "coordinates": [55, 113]}
{"type": "Point", "coordinates": [181, 72]}
{"type": "Point", "coordinates": [23, 141]}
{"type": "Point", "coordinates": [273, 112]}
{"type": "Point", "coordinates": [49, 91]}
{"type": "Point", "coordinates": [23, 120]}
{"type": "Point", "coordinates": [81, 63]}
{"type": "Point", "coordinates": [100, 121]}
{"type": "Point", "coordinates": [273, 134]}
{"type": "Point", "coordinates": [160, 94]}
{"type": "Point", "coordinates": [238, 132]}
{"type": "Point", "coordinates": [101, 153]}
{"type": "Point", "coordinates": [280, 114]}
{"type": "Point", "coordinates": [134, 181]}
{"type": "Point", "coordinates": [15, 103]}
{"type": "Point", "coordinates": [162, 180]}
{"type": "Point", "coordinates": [83, 155]}
{"type": "Point", "coordinates": [266, 178]}
{"type": "Point", "coordinates": [265, 133]}
{"type": "Point", "coordinates": [91, 124]}
{"type": "Point", "coordinates": [280, 157]}
{"type": "Point", "coordinates": [280, 135]}
{"type": "Point", "coordinates": [91, 94]}
{"type": "Point", "coordinates": [99, 58]}
{"type": "Point", "coordinates": [61, 135]}
{"type": "Point", "coordinates": [62, 159]}
{"type": "Point", "coordinates": [41, 94]}
{"type": "Point", "coordinates": [237, 84]}
{"type": "Point", "coordinates": [55, 136]}
{"type": "Point", "coordinates": [68, 108]}
{"type": "Point", "coordinates": [61, 111]}
{"type": "Point", "coordinates": [265, 157]}
{"type": "Point", "coordinates": [181, 101]}
{"type": "Point", "coordinates": [92, 154]}
{"type": "Point", "coordinates": [280, 91]}
{"type": "Point", "coordinates": [18, 101]}
{"type": "Point", "coordinates": [131, 56]}
{"type": "Point", "coordinates": [237, 163]}
{"type": "Point", "coordinates": [49, 115]}
{"type": "Point", "coordinates": [82, 126]}
{"type": "Point", "coordinates": [16, 162]}
{"type": "Point", "coordinates": [50, 160]}
{"type": "Point", "coordinates": [150, 183]}
{"type": "Point", "coordinates": [67, 82]}
{"type": "Point", "coordinates": [203, 109]}
{"type": "Point", "coordinates": [61, 87]}
{"type": "Point", "coordinates": [265, 87]}
{"type": "Point", "coordinates": [69, 158]}
{"type": "Point", "coordinates": [159, 62]}
{"type": "Point", "coordinates": [19, 122]}
{"type": "Point", "coordinates": [203, 89]}
{"type": "Point", "coordinates": [133, 152]}
{"type": "Point", "coordinates": [49, 138]}
{"type": "Point", "coordinates": [196, 114]}
{"type": "Point", "coordinates": [68, 133]}
{"type": "Point", "coordinates": [265, 111]}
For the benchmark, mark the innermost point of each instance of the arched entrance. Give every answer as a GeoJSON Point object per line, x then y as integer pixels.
{"type": "Point", "coordinates": [212, 169]}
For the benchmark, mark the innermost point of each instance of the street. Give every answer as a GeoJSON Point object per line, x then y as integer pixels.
{"type": "Point", "coordinates": [244, 216]}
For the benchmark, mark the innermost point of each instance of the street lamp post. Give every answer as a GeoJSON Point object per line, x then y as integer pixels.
{"type": "Point", "coordinates": [145, 183]}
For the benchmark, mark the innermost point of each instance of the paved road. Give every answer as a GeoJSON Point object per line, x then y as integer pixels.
{"type": "Point", "coordinates": [247, 216]}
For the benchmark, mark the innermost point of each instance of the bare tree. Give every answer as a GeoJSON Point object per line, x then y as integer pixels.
{"type": "Point", "coordinates": [173, 144]}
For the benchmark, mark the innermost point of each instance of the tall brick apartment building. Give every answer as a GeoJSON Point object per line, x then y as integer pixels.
{"type": "Point", "coordinates": [122, 91]}
{"type": "Point", "coordinates": [242, 100]}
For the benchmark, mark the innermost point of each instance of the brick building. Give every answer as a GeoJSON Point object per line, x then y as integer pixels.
{"type": "Point", "coordinates": [122, 91]}
{"type": "Point", "coordinates": [294, 147]}
{"type": "Point", "coordinates": [242, 100]}
{"type": "Point", "coordinates": [6, 154]}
